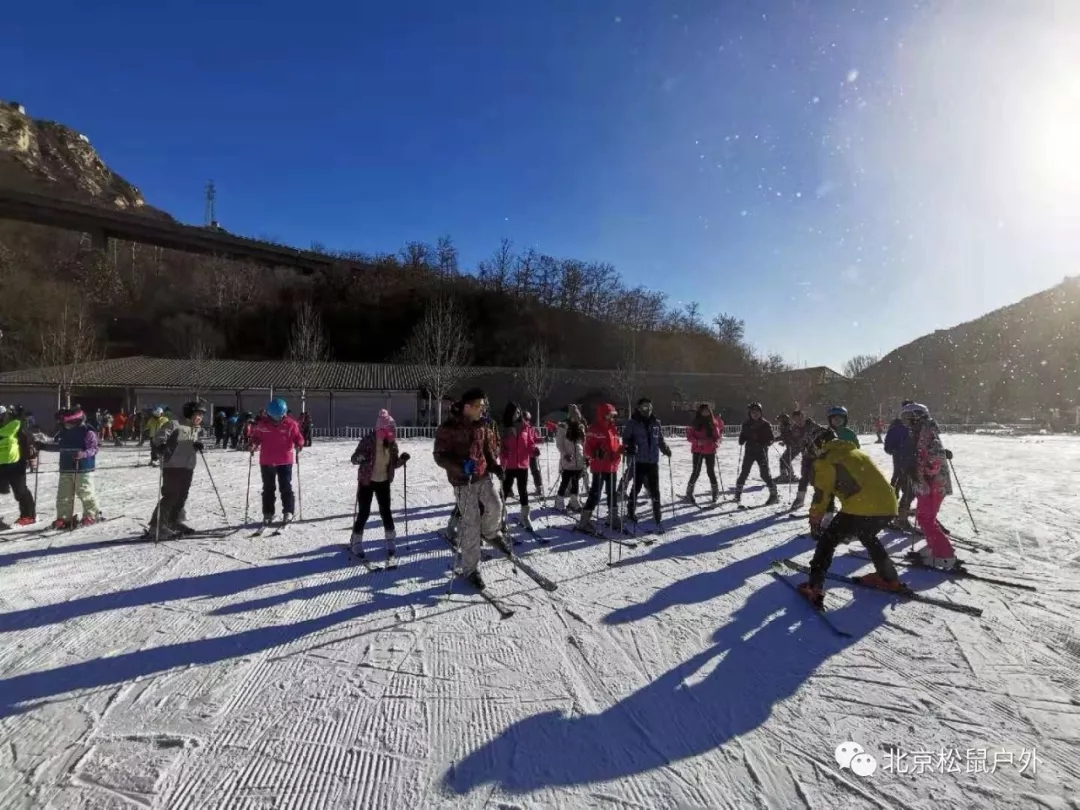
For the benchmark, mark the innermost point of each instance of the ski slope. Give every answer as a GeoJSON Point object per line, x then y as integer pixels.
{"type": "Point", "coordinates": [258, 673]}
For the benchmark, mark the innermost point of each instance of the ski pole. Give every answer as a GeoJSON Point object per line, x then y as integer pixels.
{"type": "Point", "coordinates": [405, 484]}
{"type": "Point", "coordinates": [206, 464]}
{"type": "Point", "coordinates": [157, 509]}
{"type": "Point", "coordinates": [633, 487]}
{"type": "Point", "coordinates": [962, 496]}
{"type": "Point", "coordinates": [609, 480]}
{"type": "Point", "coordinates": [247, 494]}
{"type": "Point", "coordinates": [299, 485]}
{"type": "Point", "coordinates": [738, 464]}
{"type": "Point", "coordinates": [74, 492]}
{"type": "Point", "coordinates": [671, 483]}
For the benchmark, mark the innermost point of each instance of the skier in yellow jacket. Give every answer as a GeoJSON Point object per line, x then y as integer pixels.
{"type": "Point", "coordinates": [867, 505]}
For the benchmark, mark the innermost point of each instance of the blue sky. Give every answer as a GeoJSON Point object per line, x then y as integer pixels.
{"type": "Point", "coordinates": [845, 176]}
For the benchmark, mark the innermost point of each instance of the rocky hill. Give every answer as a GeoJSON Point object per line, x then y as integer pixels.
{"type": "Point", "coordinates": [1019, 361]}
{"type": "Point", "coordinates": [50, 158]}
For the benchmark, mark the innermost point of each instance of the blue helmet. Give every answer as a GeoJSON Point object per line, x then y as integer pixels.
{"type": "Point", "coordinates": [277, 409]}
{"type": "Point", "coordinates": [838, 410]}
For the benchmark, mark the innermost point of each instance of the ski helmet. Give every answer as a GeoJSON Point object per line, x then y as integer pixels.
{"type": "Point", "coordinates": [838, 411]}
{"type": "Point", "coordinates": [277, 409]}
{"type": "Point", "coordinates": [192, 408]}
{"type": "Point", "coordinates": [158, 410]}
{"type": "Point", "coordinates": [916, 411]}
{"type": "Point", "coordinates": [755, 406]}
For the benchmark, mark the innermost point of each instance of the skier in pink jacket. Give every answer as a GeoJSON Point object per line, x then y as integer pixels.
{"type": "Point", "coordinates": [278, 439]}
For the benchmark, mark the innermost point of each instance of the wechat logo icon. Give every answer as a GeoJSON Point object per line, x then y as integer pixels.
{"type": "Point", "coordinates": [852, 756]}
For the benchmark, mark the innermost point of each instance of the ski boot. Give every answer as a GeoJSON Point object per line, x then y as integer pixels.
{"type": "Point", "coordinates": [585, 523]}
{"type": "Point", "coordinates": [286, 518]}
{"type": "Point", "coordinates": [25, 521]}
{"type": "Point", "coordinates": [574, 505]}
{"type": "Point", "coordinates": [476, 580]}
{"type": "Point", "coordinates": [560, 503]}
{"type": "Point", "coordinates": [715, 495]}
{"type": "Point", "coordinates": [738, 496]}
{"type": "Point", "coordinates": [816, 596]}
{"type": "Point", "coordinates": [774, 497]}
{"type": "Point", "coordinates": [63, 524]}
{"type": "Point", "coordinates": [800, 500]}
{"type": "Point", "coordinates": [356, 544]}
{"type": "Point", "coordinates": [876, 580]}
{"type": "Point", "coordinates": [525, 520]}
{"type": "Point", "coordinates": [941, 563]}
{"type": "Point", "coordinates": [390, 536]}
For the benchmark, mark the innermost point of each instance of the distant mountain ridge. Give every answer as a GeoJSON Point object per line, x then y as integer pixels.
{"type": "Point", "coordinates": [1020, 360]}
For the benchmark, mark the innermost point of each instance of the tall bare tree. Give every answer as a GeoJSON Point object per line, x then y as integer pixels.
{"type": "Point", "coordinates": [66, 344]}
{"type": "Point", "coordinates": [439, 348]}
{"type": "Point", "coordinates": [858, 364]}
{"type": "Point", "coordinates": [307, 348]}
{"type": "Point", "coordinates": [200, 354]}
{"type": "Point", "coordinates": [537, 374]}
{"type": "Point", "coordinates": [625, 378]}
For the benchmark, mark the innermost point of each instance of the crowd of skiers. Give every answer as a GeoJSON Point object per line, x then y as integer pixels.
{"type": "Point", "coordinates": [486, 461]}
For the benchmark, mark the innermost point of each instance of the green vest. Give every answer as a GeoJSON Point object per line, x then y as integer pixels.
{"type": "Point", "coordinates": [9, 442]}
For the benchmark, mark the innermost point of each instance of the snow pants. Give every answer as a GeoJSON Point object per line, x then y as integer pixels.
{"type": "Point", "coordinates": [175, 486]}
{"type": "Point", "coordinates": [843, 527]}
{"type": "Point", "coordinates": [476, 525]}
{"type": "Point", "coordinates": [645, 475]}
{"type": "Point", "coordinates": [380, 490]}
{"type": "Point", "coordinates": [74, 484]}
{"type": "Point", "coordinates": [282, 476]}
{"type": "Point", "coordinates": [538, 480]}
{"type": "Point", "coordinates": [787, 469]}
{"type": "Point", "coordinates": [605, 481]}
{"type": "Point", "coordinates": [926, 512]}
{"type": "Point", "coordinates": [759, 456]}
{"type": "Point", "coordinates": [13, 479]}
{"type": "Point", "coordinates": [709, 460]}
{"type": "Point", "coordinates": [570, 481]}
{"type": "Point", "coordinates": [521, 478]}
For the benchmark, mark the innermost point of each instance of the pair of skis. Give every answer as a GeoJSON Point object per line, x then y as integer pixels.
{"type": "Point", "coordinates": [960, 571]}
{"type": "Point", "coordinates": [499, 544]}
{"type": "Point", "coordinates": [778, 570]}
{"type": "Point", "coordinates": [276, 528]}
{"type": "Point", "coordinates": [372, 568]}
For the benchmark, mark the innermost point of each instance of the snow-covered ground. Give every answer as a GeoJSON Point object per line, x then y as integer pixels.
{"type": "Point", "coordinates": [245, 673]}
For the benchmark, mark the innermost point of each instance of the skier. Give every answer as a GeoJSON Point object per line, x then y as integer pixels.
{"type": "Point", "coordinates": [455, 514]}
{"type": "Point", "coordinates": [78, 446]}
{"type": "Point", "coordinates": [467, 448]}
{"type": "Point", "coordinates": [278, 439]}
{"type": "Point", "coordinates": [306, 428]}
{"type": "Point", "coordinates": [517, 449]}
{"type": "Point", "coordinates": [705, 435]}
{"type": "Point", "coordinates": [179, 443]}
{"type": "Point", "coordinates": [377, 458]}
{"type": "Point", "coordinates": [787, 439]}
{"type": "Point", "coordinates": [932, 484]}
{"type": "Point", "coordinates": [879, 428]}
{"type": "Point", "coordinates": [534, 462]}
{"type": "Point", "coordinates": [120, 423]}
{"type": "Point", "coordinates": [16, 454]}
{"type": "Point", "coordinates": [220, 427]}
{"type": "Point", "coordinates": [801, 441]}
{"type": "Point", "coordinates": [757, 436]}
{"type": "Point", "coordinates": [604, 451]}
{"type": "Point", "coordinates": [838, 419]}
{"type": "Point", "coordinates": [156, 421]}
{"type": "Point", "coordinates": [643, 438]}
{"type": "Point", "coordinates": [232, 432]}
{"type": "Point", "coordinates": [894, 443]}
{"type": "Point", "coordinates": [867, 505]}
{"type": "Point", "coordinates": [908, 462]}
{"type": "Point", "coordinates": [570, 442]}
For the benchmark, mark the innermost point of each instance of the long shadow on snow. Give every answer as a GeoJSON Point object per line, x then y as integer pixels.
{"type": "Point", "coordinates": [35, 687]}
{"type": "Point", "coordinates": [218, 584]}
{"type": "Point", "coordinates": [669, 720]}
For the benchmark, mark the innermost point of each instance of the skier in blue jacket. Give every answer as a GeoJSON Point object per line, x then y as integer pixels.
{"type": "Point", "coordinates": [643, 438]}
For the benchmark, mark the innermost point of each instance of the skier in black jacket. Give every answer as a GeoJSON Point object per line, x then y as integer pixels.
{"type": "Point", "coordinates": [757, 436]}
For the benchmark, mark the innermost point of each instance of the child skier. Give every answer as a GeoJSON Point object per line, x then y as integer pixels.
{"type": "Point", "coordinates": [570, 442]}
{"type": "Point", "coordinates": [705, 435]}
{"type": "Point", "coordinates": [867, 505]}
{"type": "Point", "coordinates": [801, 441]}
{"type": "Point", "coordinates": [604, 451]}
{"type": "Point", "coordinates": [16, 453]}
{"type": "Point", "coordinates": [757, 437]}
{"type": "Point", "coordinates": [150, 429]}
{"type": "Point", "coordinates": [278, 439]}
{"type": "Point", "coordinates": [179, 444]}
{"type": "Point", "coordinates": [466, 447]}
{"type": "Point", "coordinates": [377, 458]}
{"type": "Point", "coordinates": [838, 421]}
{"type": "Point", "coordinates": [515, 454]}
{"type": "Point", "coordinates": [78, 446]}
{"type": "Point", "coordinates": [787, 441]}
{"type": "Point", "coordinates": [932, 484]}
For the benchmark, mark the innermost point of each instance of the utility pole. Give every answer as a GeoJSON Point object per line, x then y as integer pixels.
{"type": "Point", "coordinates": [211, 198]}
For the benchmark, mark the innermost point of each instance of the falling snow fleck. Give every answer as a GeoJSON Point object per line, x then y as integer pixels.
{"type": "Point", "coordinates": [852, 75]}
{"type": "Point", "coordinates": [816, 100]}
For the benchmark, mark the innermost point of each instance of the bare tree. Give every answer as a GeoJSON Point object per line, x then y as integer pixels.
{"type": "Point", "coordinates": [439, 348]}
{"type": "Point", "coordinates": [858, 364]}
{"type": "Point", "coordinates": [200, 354]}
{"type": "Point", "coordinates": [626, 376]}
{"type": "Point", "coordinates": [307, 348]}
{"type": "Point", "coordinates": [66, 345]}
{"type": "Point", "coordinates": [537, 374]}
